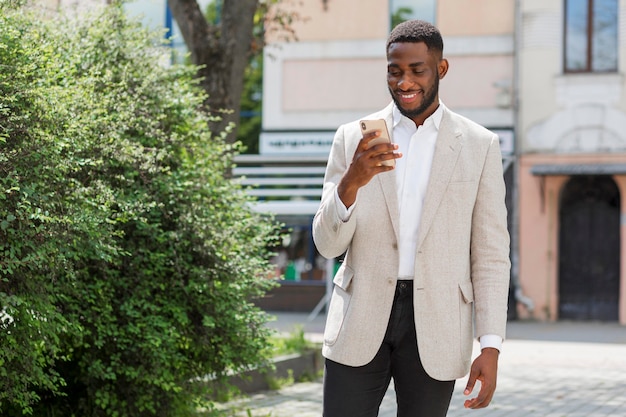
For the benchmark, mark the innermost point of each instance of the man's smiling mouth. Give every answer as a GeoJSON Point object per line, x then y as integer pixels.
{"type": "Point", "coordinates": [408, 97]}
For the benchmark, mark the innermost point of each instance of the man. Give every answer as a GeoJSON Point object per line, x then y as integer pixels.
{"type": "Point", "coordinates": [426, 247]}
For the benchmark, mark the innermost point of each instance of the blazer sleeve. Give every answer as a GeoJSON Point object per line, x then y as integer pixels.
{"type": "Point", "coordinates": [331, 234]}
{"type": "Point", "coordinates": [490, 263]}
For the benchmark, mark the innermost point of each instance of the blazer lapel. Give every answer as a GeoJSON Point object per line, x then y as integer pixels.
{"type": "Point", "coordinates": [388, 180]}
{"type": "Point", "coordinates": [447, 149]}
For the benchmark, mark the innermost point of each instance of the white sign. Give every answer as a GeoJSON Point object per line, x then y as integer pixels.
{"type": "Point", "coordinates": [295, 143]}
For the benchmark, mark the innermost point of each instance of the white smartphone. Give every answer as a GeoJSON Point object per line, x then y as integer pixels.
{"type": "Point", "coordinates": [368, 126]}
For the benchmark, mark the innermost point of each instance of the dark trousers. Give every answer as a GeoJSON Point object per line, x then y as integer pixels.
{"type": "Point", "coordinates": [358, 391]}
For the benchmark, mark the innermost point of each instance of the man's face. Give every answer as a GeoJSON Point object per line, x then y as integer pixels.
{"type": "Point", "coordinates": [413, 74]}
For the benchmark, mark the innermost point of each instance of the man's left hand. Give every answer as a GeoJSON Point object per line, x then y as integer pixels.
{"type": "Point", "coordinates": [485, 370]}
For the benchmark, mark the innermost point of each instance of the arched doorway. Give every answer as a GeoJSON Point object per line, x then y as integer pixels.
{"type": "Point", "coordinates": [589, 249]}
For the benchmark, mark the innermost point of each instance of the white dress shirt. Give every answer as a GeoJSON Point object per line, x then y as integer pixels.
{"type": "Point", "coordinates": [417, 145]}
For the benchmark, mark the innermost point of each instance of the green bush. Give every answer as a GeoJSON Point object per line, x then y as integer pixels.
{"type": "Point", "coordinates": [128, 261]}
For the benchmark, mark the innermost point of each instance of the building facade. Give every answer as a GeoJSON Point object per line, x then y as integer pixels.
{"type": "Point", "coordinates": [572, 178]}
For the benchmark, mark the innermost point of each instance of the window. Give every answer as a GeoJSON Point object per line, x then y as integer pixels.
{"type": "Point", "coordinates": [402, 10]}
{"type": "Point", "coordinates": [591, 35]}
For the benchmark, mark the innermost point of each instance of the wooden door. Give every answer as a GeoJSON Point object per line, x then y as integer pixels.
{"type": "Point", "coordinates": [589, 249]}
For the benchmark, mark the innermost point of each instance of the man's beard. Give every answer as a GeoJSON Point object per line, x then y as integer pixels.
{"type": "Point", "coordinates": [428, 100]}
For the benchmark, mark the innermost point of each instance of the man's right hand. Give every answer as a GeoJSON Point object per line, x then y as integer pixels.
{"type": "Point", "coordinates": [366, 162]}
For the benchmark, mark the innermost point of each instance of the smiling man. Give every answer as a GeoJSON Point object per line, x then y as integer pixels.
{"type": "Point", "coordinates": [426, 247]}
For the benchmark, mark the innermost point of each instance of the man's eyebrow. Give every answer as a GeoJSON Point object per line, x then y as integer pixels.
{"type": "Point", "coordinates": [412, 65]}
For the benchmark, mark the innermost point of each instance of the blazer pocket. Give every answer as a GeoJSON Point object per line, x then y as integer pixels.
{"type": "Point", "coordinates": [339, 303]}
{"type": "Point", "coordinates": [467, 291]}
{"type": "Point", "coordinates": [343, 278]}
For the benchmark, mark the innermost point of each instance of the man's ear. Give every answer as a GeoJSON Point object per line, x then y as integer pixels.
{"type": "Point", "coordinates": [442, 68]}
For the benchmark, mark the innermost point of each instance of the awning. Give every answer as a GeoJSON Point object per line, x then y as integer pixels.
{"type": "Point", "coordinates": [578, 169]}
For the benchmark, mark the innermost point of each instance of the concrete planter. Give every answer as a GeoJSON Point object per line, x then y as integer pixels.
{"type": "Point", "coordinates": [296, 366]}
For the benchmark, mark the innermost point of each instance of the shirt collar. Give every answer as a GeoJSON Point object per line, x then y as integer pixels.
{"type": "Point", "coordinates": [434, 118]}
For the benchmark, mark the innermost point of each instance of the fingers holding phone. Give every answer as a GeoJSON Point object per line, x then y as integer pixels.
{"type": "Point", "coordinates": [384, 155]}
{"type": "Point", "coordinates": [375, 154]}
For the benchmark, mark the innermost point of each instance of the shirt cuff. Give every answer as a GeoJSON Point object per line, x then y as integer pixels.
{"type": "Point", "coordinates": [343, 212]}
{"type": "Point", "coordinates": [491, 341]}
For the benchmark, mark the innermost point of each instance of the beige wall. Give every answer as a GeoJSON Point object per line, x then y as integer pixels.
{"type": "Point", "coordinates": [340, 19]}
{"type": "Point", "coordinates": [479, 44]}
{"type": "Point", "coordinates": [472, 81]}
{"type": "Point", "coordinates": [475, 17]}
{"type": "Point", "coordinates": [334, 72]}
{"type": "Point", "coordinates": [319, 83]}
{"type": "Point", "coordinates": [540, 61]}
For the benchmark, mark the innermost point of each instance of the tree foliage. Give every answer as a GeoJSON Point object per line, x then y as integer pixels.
{"type": "Point", "coordinates": [127, 261]}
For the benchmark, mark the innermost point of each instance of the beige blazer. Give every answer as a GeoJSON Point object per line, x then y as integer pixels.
{"type": "Point", "coordinates": [462, 260]}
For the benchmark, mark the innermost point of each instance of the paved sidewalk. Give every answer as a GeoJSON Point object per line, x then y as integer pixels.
{"type": "Point", "coordinates": [546, 370]}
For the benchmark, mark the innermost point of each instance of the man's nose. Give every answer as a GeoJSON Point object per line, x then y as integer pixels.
{"type": "Point", "coordinates": [405, 82]}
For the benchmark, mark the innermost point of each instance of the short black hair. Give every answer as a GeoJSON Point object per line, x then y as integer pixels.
{"type": "Point", "coordinates": [417, 31]}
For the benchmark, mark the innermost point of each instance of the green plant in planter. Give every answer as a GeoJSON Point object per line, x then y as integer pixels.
{"type": "Point", "coordinates": [294, 342]}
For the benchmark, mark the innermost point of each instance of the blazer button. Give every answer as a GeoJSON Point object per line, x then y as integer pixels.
{"type": "Point", "coordinates": [395, 246]}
